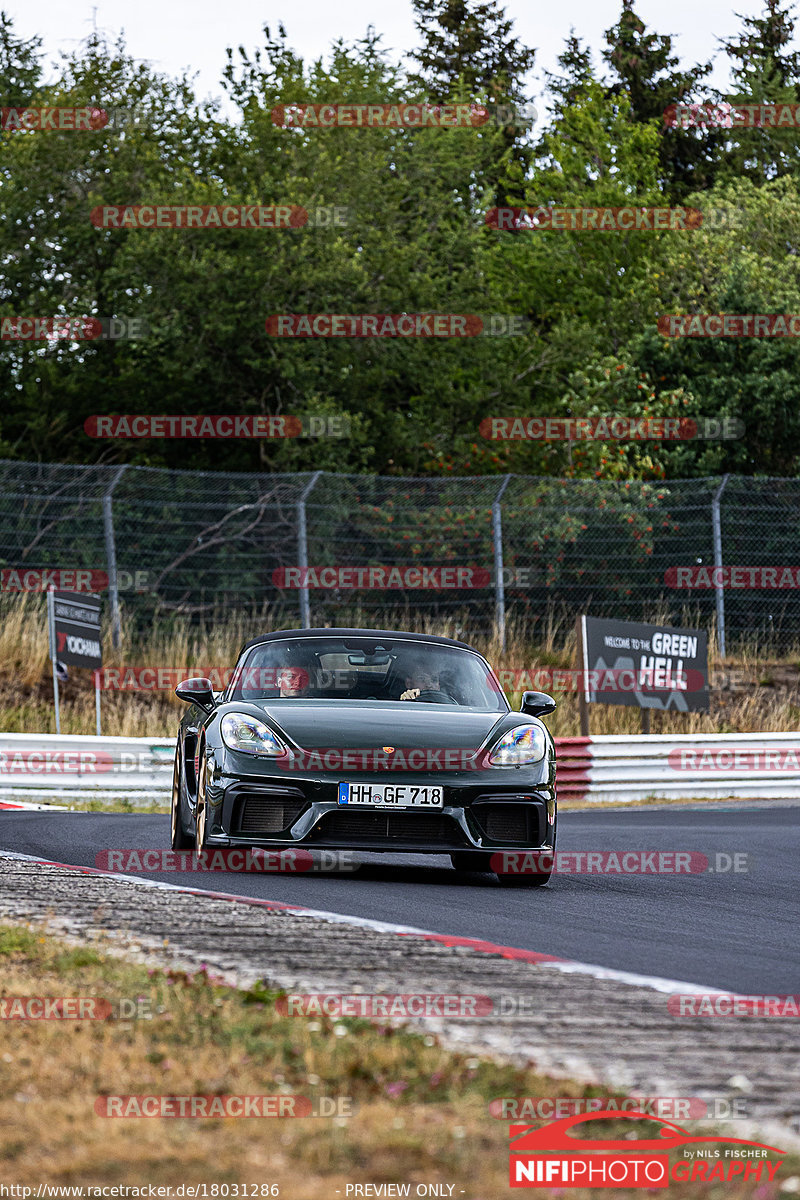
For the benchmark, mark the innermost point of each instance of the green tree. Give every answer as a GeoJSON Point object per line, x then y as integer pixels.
{"type": "Point", "coordinates": [649, 75]}
{"type": "Point", "coordinates": [744, 261]}
{"type": "Point", "coordinates": [20, 66]}
{"type": "Point", "coordinates": [468, 53]}
{"type": "Point", "coordinates": [469, 43]}
{"type": "Point", "coordinates": [764, 71]}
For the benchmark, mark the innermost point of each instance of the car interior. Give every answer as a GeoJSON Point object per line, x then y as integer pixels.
{"type": "Point", "coordinates": [350, 671]}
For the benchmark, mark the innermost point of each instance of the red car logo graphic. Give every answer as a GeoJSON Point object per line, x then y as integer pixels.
{"type": "Point", "coordinates": [527, 1139]}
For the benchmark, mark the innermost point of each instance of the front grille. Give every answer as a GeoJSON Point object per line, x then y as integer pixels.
{"type": "Point", "coordinates": [508, 823]}
{"type": "Point", "coordinates": [383, 826]}
{"type": "Point", "coordinates": [262, 813]}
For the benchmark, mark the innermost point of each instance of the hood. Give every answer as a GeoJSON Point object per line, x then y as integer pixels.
{"type": "Point", "coordinates": [364, 725]}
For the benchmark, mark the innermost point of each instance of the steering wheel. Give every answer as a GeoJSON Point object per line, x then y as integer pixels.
{"type": "Point", "coordinates": [436, 697]}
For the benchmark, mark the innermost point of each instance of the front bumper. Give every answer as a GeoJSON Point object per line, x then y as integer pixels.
{"type": "Point", "coordinates": [511, 809]}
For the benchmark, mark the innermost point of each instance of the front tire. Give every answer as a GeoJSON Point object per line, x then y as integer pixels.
{"type": "Point", "coordinates": [179, 838]}
{"type": "Point", "coordinates": [481, 860]}
{"type": "Point", "coordinates": [201, 812]}
{"type": "Point", "coordinates": [530, 880]}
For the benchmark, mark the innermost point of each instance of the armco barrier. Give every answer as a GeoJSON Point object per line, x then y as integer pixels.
{"type": "Point", "coordinates": [712, 766]}
{"type": "Point", "coordinates": [602, 768]}
{"type": "Point", "coordinates": [46, 765]}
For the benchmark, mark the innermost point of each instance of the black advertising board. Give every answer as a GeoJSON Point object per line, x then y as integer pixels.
{"type": "Point", "coordinates": [646, 666]}
{"type": "Point", "coordinates": [75, 629]}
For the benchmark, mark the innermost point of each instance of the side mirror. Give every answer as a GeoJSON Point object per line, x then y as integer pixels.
{"type": "Point", "coordinates": [196, 691]}
{"type": "Point", "coordinates": [537, 704]}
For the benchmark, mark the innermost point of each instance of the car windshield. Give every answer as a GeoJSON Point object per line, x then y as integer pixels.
{"type": "Point", "coordinates": [336, 668]}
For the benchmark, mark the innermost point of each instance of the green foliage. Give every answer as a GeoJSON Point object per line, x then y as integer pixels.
{"type": "Point", "coordinates": [648, 74]}
{"type": "Point", "coordinates": [415, 239]}
{"type": "Point", "coordinates": [16, 940]}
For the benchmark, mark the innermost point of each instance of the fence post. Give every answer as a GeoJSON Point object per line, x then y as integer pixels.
{"type": "Point", "coordinates": [302, 551]}
{"type": "Point", "coordinates": [497, 538]}
{"type": "Point", "coordinates": [111, 557]}
{"type": "Point", "coordinates": [718, 588]}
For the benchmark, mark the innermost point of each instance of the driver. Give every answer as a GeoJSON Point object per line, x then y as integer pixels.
{"type": "Point", "coordinates": [292, 682]}
{"type": "Point", "coordinates": [420, 676]}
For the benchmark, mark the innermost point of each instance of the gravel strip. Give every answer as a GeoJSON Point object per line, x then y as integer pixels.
{"type": "Point", "coordinates": [566, 1023]}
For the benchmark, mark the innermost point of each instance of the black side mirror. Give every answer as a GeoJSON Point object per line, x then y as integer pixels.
{"type": "Point", "coordinates": [196, 691]}
{"type": "Point", "coordinates": [537, 704]}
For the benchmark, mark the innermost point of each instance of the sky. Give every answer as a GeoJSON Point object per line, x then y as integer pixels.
{"type": "Point", "coordinates": [176, 34]}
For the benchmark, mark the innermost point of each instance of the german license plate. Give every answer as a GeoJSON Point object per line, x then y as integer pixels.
{"type": "Point", "coordinates": [391, 795]}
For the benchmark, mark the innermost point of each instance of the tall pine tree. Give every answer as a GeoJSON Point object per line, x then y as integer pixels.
{"type": "Point", "coordinates": [468, 52]}
{"type": "Point", "coordinates": [469, 43]}
{"type": "Point", "coordinates": [764, 71]}
{"type": "Point", "coordinates": [20, 66]}
{"type": "Point", "coordinates": [645, 68]}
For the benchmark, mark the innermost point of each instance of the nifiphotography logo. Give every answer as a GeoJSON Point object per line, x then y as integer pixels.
{"type": "Point", "coordinates": [551, 1156]}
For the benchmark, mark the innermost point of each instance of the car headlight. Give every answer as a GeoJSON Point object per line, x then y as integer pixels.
{"type": "Point", "coordinates": [248, 734]}
{"type": "Point", "coordinates": [525, 744]}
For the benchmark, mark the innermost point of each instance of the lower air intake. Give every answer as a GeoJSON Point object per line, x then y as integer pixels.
{"type": "Point", "coordinates": [382, 827]}
{"type": "Point", "coordinates": [264, 814]}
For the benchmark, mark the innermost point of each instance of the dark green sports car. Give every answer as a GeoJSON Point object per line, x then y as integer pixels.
{"type": "Point", "coordinates": [367, 739]}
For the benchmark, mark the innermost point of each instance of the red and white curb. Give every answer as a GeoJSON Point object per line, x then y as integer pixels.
{"type": "Point", "coordinates": [478, 945]}
{"type": "Point", "coordinates": [33, 807]}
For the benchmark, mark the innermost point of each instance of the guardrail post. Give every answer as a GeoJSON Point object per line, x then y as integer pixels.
{"type": "Point", "coordinates": [500, 592]}
{"type": "Point", "coordinates": [302, 551]}
{"type": "Point", "coordinates": [718, 588]}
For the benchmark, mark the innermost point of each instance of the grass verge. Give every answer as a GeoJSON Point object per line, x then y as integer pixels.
{"type": "Point", "coordinates": [420, 1111]}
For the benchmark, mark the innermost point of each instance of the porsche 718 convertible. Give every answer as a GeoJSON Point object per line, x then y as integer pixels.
{"type": "Point", "coordinates": [367, 739]}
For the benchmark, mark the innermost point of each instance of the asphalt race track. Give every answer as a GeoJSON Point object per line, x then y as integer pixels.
{"type": "Point", "coordinates": [733, 931]}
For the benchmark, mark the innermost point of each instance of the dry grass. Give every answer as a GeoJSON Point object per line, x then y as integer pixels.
{"type": "Point", "coordinates": [420, 1111]}
{"type": "Point", "coordinates": [766, 698]}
